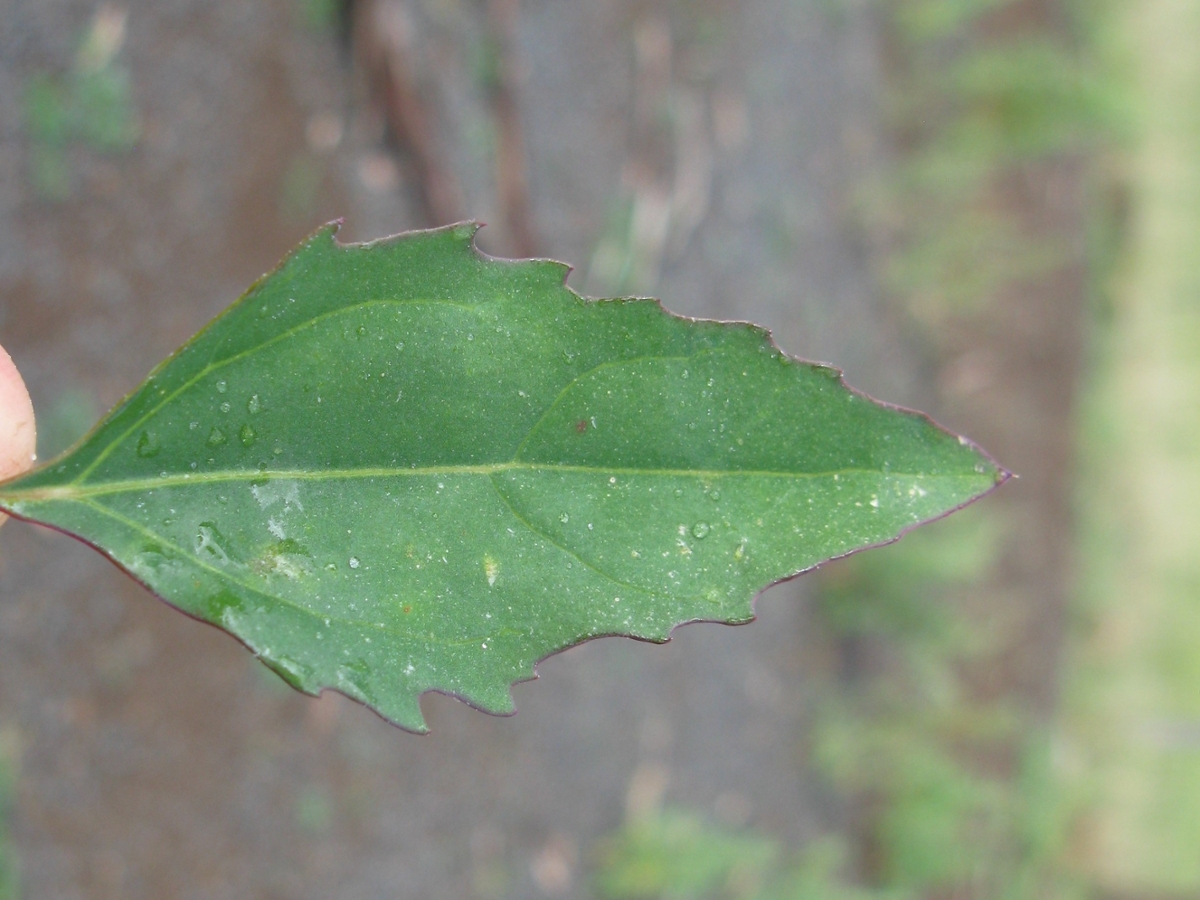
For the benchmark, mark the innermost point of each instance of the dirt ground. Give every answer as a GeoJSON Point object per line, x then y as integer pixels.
{"type": "Point", "coordinates": [155, 757]}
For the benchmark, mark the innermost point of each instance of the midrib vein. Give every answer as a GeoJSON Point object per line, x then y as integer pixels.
{"type": "Point", "coordinates": [77, 491]}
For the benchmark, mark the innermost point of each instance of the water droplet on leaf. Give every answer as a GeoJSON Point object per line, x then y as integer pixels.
{"type": "Point", "coordinates": [254, 404]}
{"type": "Point", "coordinates": [247, 436]}
{"type": "Point", "coordinates": [216, 437]}
{"type": "Point", "coordinates": [148, 445]}
{"type": "Point", "coordinates": [222, 387]}
{"type": "Point", "coordinates": [700, 530]}
{"type": "Point", "coordinates": [354, 563]}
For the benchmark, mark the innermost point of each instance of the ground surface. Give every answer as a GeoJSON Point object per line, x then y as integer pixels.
{"type": "Point", "coordinates": [156, 759]}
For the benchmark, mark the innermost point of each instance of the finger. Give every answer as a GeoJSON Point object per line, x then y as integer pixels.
{"type": "Point", "coordinates": [18, 436]}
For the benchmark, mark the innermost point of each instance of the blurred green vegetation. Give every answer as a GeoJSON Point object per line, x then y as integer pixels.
{"type": "Point", "coordinates": [1131, 712]}
{"type": "Point", "coordinates": [91, 105]}
{"type": "Point", "coordinates": [977, 93]}
{"type": "Point", "coordinates": [318, 15]}
{"type": "Point", "coordinates": [677, 855]}
{"type": "Point", "coordinates": [9, 881]}
{"type": "Point", "coordinates": [313, 810]}
{"type": "Point", "coordinates": [956, 794]}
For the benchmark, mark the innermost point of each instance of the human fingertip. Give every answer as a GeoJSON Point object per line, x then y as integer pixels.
{"type": "Point", "coordinates": [18, 432]}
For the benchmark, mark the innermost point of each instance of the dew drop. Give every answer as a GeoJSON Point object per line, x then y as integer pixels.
{"type": "Point", "coordinates": [564, 518]}
{"type": "Point", "coordinates": [222, 387]}
{"type": "Point", "coordinates": [148, 445]}
{"type": "Point", "coordinates": [354, 563]}
{"type": "Point", "coordinates": [225, 407]}
{"type": "Point", "coordinates": [216, 437]}
{"type": "Point", "coordinates": [254, 404]}
{"type": "Point", "coordinates": [700, 530]}
{"type": "Point", "coordinates": [715, 495]}
{"type": "Point", "coordinates": [470, 337]}
{"type": "Point", "coordinates": [247, 436]}
{"type": "Point", "coordinates": [360, 330]}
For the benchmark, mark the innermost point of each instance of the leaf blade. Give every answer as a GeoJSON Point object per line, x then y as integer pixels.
{"type": "Point", "coordinates": [402, 467]}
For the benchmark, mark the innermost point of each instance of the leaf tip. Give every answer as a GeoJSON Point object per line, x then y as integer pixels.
{"type": "Point", "coordinates": [468, 230]}
{"type": "Point", "coordinates": [327, 233]}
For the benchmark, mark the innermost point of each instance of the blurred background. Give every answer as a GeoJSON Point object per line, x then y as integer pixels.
{"type": "Point", "coordinates": [988, 209]}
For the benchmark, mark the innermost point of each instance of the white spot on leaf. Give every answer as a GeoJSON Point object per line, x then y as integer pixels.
{"type": "Point", "coordinates": [279, 491]}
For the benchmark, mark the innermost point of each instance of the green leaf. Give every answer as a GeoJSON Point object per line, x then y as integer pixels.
{"type": "Point", "coordinates": [403, 466]}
